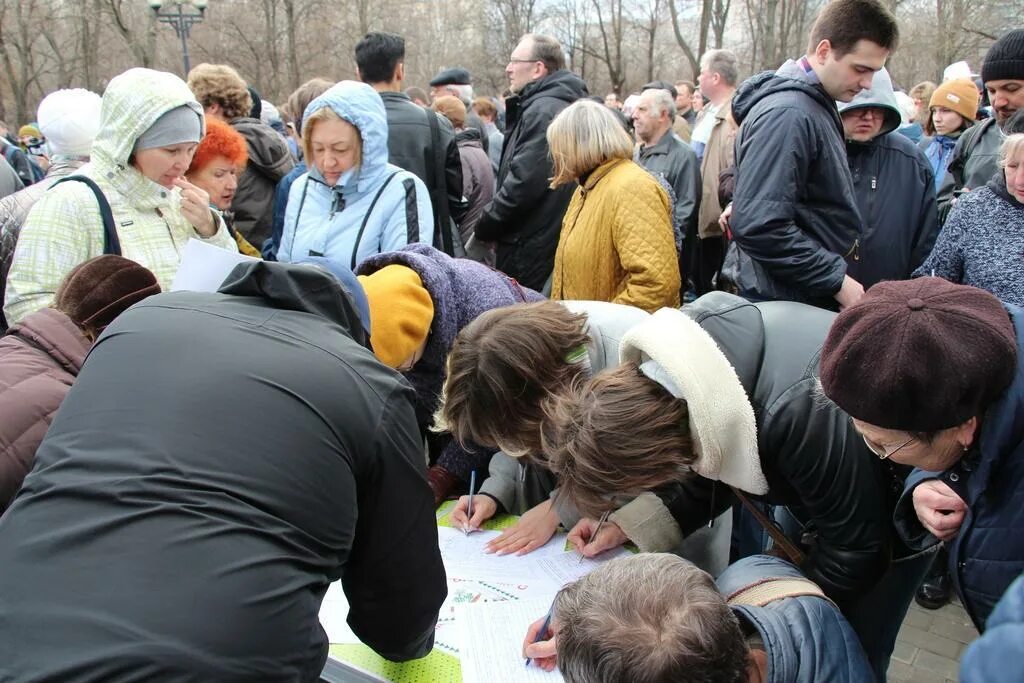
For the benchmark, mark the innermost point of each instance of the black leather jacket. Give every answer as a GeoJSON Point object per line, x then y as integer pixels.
{"type": "Point", "coordinates": [816, 464]}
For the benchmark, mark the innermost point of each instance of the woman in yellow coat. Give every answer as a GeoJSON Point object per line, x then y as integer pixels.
{"type": "Point", "coordinates": [616, 243]}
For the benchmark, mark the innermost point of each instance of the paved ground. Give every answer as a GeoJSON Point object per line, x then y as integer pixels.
{"type": "Point", "coordinates": [930, 644]}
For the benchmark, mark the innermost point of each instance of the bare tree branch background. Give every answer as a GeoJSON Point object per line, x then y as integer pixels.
{"type": "Point", "coordinates": [616, 45]}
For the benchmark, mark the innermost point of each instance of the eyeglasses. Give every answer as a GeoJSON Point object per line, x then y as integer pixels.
{"type": "Point", "coordinates": [881, 452]}
{"type": "Point", "coordinates": [867, 112]}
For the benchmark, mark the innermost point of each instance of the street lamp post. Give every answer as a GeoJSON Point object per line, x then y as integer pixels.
{"type": "Point", "coordinates": [181, 20]}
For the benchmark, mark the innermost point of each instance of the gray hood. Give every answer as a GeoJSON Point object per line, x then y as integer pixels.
{"type": "Point", "coordinates": [880, 95]}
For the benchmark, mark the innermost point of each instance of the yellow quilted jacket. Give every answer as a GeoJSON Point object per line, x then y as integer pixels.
{"type": "Point", "coordinates": [616, 242]}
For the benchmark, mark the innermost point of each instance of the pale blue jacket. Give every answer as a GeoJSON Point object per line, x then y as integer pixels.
{"type": "Point", "coordinates": [378, 208]}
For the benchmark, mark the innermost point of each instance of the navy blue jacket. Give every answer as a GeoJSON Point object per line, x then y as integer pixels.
{"type": "Point", "coordinates": [988, 552]}
{"type": "Point", "coordinates": [806, 637]}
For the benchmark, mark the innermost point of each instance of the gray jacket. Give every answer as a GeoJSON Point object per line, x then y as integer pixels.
{"type": "Point", "coordinates": [676, 162]}
{"type": "Point", "coordinates": [973, 163]}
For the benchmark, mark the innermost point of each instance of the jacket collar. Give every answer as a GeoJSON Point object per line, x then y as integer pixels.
{"type": "Point", "coordinates": [662, 146]}
{"type": "Point", "coordinates": [138, 190]}
{"type": "Point", "coordinates": [595, 176]}
{"type": "Point", "coordinates": [721, 421]}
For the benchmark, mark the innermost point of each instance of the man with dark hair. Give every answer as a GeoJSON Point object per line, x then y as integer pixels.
{"type": "Point", "coordinates": [974, 158]}
{"type": "Point", "coordinates": [657, 618]}
{"type": "Point", "coordinates": [794, 218]}
{"type": "Point", "coordinates": [684, 102]}
{"type": "Point", "coordinates": [419, 140]}
{"type": "Point", "coordinates": [525, 217]}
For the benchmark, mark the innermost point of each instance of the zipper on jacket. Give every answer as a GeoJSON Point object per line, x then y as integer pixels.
{"type": "Point", "coordinates": [854, 251]}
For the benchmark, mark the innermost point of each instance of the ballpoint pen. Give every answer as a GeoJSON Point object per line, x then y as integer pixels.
{"type": "Point", "coordinates": [593, 536]}
{"type": "Point", "coordinates": [469, 508]}
{"type": "Point", "coordinates": [543, 629]}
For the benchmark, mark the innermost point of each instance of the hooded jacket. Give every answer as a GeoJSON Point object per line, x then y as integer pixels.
{"type": "Point", "coordinates": [65, 227]}
{"type": "Point", "coordinates": [461, 290]}
{"type": "Point", "coordinates": [617, 242]}
{"type": "Point", "coordinates": [39, 361]}
{"type": "Point", "coordinates": [525, 217]}
{"type": "Point", "coordinates": [373, 208]}
{"type": "Point", "coordinates": [14, 210]}
{"type": "Point", "coordinates": [987, 553]}
{"type": "Point", "coordinates": [795, 220]}
{"type": "Point", "coordinates": [269, 162]}
{"type": "Point", "coordinates": [185, 542]}
{"type": "Point", "coordinates": [761, 428]}
{"type": "Point", "coordinates": [895, 193]}
{"type": "Point", "coordinates": [805, 637]}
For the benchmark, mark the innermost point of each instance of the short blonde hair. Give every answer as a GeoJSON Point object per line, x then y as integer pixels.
{"type": "Point", "coordinates": [220, 84]}
{"type": "Point", "coordinates": [1012, 146]}
{"type": "Point", "coordinates": [584, 136]}
{"type": "Point", "coordinates": [325, 114]}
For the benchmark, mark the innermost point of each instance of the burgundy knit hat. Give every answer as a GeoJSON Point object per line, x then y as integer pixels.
{"type": "Point", "coordinates": [98, 290]}
{"type": "Point", "coordinates": [919, 355]}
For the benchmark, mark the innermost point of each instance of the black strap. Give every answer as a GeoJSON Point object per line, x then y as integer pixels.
{"type": "Point", "coordinates": [111, 242]}
{"type": "Point", "coordinates": [366, 218]}
{"type": "Point", "coordinates": [439, 188]}
{"type": "Point", "coordinates": [412, 215]}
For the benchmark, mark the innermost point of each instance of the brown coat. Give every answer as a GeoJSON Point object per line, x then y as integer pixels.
{"type": "Point", "coordinates": [718, 156]}
{"type": "Point", "coordinates": [616, 243]}
{"type": "Point", "coordinates": [39, 361]}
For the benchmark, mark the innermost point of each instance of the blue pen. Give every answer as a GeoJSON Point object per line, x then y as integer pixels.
{"type": "Point", "coordinates": [543, 629]}
{"type": "Point", "coordinates": [469, 510]}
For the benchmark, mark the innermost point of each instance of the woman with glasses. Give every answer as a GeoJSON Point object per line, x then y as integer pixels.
{"type": "Point", "coordinates": [928, 371]}
{"type": "Point", "coordinates": [722, 397]}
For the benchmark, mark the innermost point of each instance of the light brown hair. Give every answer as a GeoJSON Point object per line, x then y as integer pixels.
{"type": "Point", "coordinates": [653, 617]}
{"type": "Point", "coordinates": [502, 367]}
{"type": "Point", "coordinates": [548, 50]}
{"type": "Point", "coordinates": [620, 433]}
{"type": "Point", "coordinates": [451, 108]}
{"type": "Point", "coordinates": [582, 137]}
{"type": "Point", "coordinates": [484, 107]}
{"type": "Point", "coordinates": [220, 84]}
{"type": "Point", "coordinates": [325, 113]}
{"type": "Point", "coordinates": [302, 96]}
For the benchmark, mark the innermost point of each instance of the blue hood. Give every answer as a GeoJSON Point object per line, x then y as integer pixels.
{"type": "Point", "coordinates": [360, 105]}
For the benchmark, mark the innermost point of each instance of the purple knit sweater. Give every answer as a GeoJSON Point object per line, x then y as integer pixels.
{"type": "Point", "coordinates": [461, 290]}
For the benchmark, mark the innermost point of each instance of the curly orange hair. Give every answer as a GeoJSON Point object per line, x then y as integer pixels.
{"type": "Point", "coordinates": [221, 141]}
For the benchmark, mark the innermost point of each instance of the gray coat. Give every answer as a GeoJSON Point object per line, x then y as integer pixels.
{"type": "Point", "coordinates": [973, 163]}
{"type": "Point", "coordinates": [676, 162]}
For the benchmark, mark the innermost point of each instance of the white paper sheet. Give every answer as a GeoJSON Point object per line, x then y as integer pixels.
{"type": "Point", "coordinates": [492, 639]}
{"type": "Point", "coordinates": [204, 267]}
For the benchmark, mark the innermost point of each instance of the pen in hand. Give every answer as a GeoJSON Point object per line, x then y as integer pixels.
{"type": "Point", "coordinates": [593, 536]}
{"type": "Point", "coordinates": [469, 507]}
{"type": "Point", "coordinates": [543, 629]}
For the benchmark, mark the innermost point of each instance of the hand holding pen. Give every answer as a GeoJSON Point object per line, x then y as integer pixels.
{"type": "Point", "coordinates": [539, 645]}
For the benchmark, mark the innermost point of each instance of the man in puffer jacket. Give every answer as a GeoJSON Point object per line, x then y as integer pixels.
{"type": "Point", "coordinates": [420, 298]}
{"type": "Point", "coordinates": [893, 185]}
{"type": "Point", "coordinates": [795, 221]}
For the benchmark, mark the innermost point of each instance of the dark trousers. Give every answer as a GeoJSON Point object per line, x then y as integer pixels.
{"type": "Point", "coordinates": [707, 261]}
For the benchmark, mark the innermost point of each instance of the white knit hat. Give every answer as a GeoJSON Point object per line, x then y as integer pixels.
{"type": "Point", "coordinates": [69, 120]}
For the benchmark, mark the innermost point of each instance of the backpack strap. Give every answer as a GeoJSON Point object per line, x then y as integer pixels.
{"type": "Point", "coordinates": [412, 214]}
{"type": "Point", "coordinates": [770, 589]}
{"type": "Point", "coordinates": [439, 188]}
{"type": "Point", "coordinates": [366, 218]}
{"type": "Point", "coordinates": [111, 242]}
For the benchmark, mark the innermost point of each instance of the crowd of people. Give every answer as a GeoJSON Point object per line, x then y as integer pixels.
{"type": "Point", "coordinates": [766, 331]}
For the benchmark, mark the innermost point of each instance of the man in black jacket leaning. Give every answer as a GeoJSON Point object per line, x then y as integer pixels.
{"type": "Point", "coordinates": [794, 218]}
{"type": "Point", "coordinates": [419, 140]}
{"type": "Point", "coordinates": [166, 535]}
{"type": "Point", "coordinates": [525, 217]}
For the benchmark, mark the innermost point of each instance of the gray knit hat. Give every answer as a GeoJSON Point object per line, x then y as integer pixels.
{"type": "Point", "coordinates": [178, 125]}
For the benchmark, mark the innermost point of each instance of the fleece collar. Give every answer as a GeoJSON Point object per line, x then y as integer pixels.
{"type": "Point", "coordinates": [676, 352]}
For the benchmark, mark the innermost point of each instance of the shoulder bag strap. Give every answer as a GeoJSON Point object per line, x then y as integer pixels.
{"type": "Point", "coordinates": [770, 589]}
{"type": "Point", "coordinates": [111, 242]}
{"type": "Point", "coordinates": [366, 218]}
{"type": "Point", "coordinates": [786, 546]}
